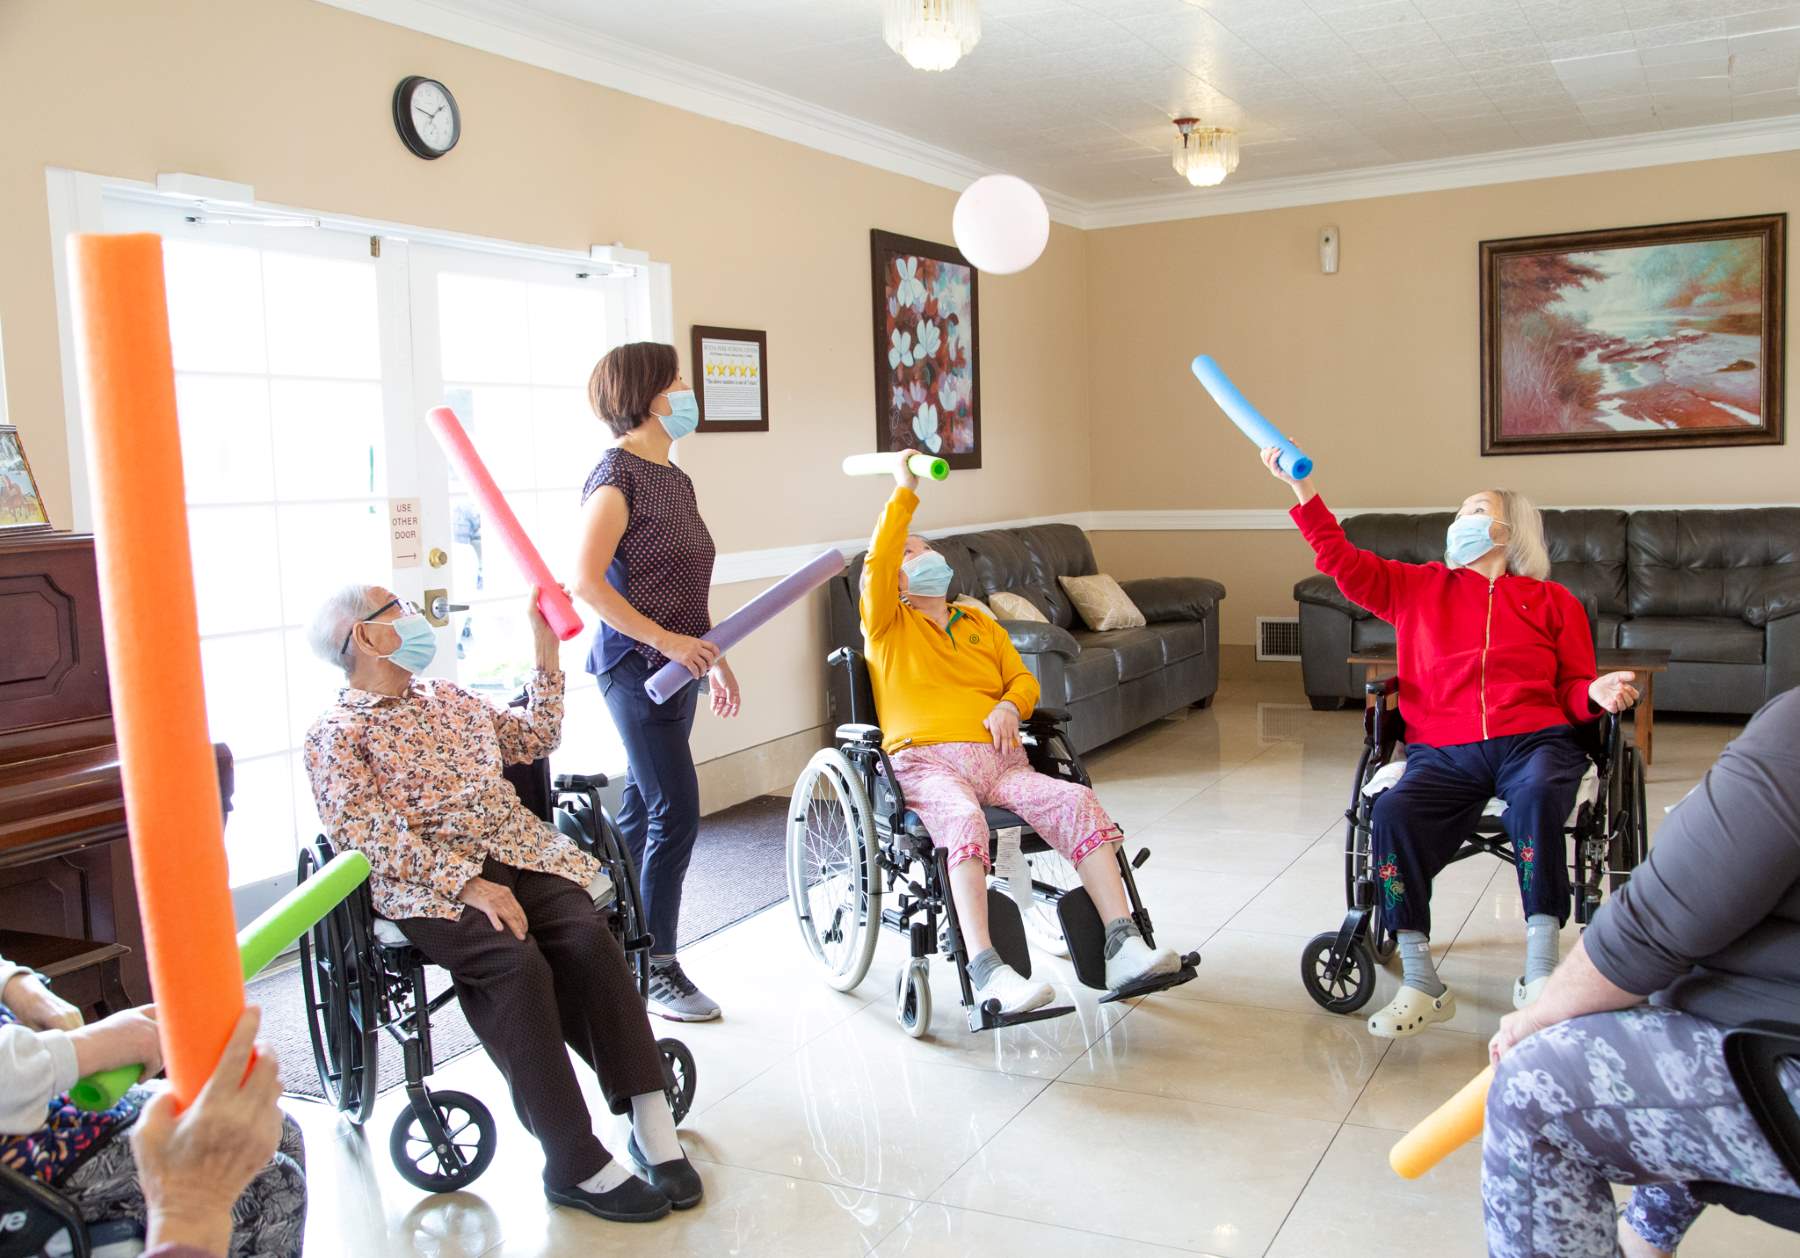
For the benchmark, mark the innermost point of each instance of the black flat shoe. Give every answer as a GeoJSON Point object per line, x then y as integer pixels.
{"type": "Point", "coordinates": [677, 1180]}
{"type": "Point", "coordinates": [634, 1201]}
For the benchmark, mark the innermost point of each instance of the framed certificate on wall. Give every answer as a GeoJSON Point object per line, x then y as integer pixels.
{"type": "Point", "coordinates": [731, 379]}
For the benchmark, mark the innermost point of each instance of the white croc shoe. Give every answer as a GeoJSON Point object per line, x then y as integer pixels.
{"type": "Point", "coordinates": [1136, 959]}
{"type": "Point", "coordinates": [1411, 1012]}
{"type": "Point", "coordinates": [1524, 993]}
{"type": "Point", "coordinates": [1015, 992]}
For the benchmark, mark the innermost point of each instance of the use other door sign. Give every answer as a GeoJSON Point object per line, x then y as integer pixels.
{"type": "Point", "coordinates": [403, 528]}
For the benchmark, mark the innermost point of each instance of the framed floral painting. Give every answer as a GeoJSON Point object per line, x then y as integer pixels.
{"type": "Point", "coordinates": [927, 349]}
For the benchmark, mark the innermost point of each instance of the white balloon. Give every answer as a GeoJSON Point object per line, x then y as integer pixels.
{"type": "Point", "coordinates": [1001, 224]}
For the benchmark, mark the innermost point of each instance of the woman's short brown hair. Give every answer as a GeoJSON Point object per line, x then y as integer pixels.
{"type": "Point", "coordinates": [628, 379]}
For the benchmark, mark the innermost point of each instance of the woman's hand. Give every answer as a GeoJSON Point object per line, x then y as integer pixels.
{"type": "Point", "coordinates": [1003, 724]}
{"type": "Point", "coordinates": [1514, 1027]}
{"type": "Point", "coordinates": [499, 903]}
{"type": "Point", "coordinates": [127, 1038]}
{"type": "Point", "coordinates": [725, 693]}
{"type": "Point", "coordinates": [194, 1165]}
{"type": "Point", "coordinates": [543, 638]}
{"type": "Point", "coordinates": [903, 473]}
{"type": "Point", "coordinates": [1303, 489]}
{"type": "Point", "coordinates": [1614, 692]}
{"type": "Point", "coordinates": [697, 655]}
{"type": "Point", "coordinates": [37, 1006]}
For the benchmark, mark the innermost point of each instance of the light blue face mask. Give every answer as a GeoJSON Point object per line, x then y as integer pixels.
{"type": "Point", "coordinates": [1468, 539]}
{"type": "Point", "coordinates": [683, 416]}
{"type": "Point", "coordinates": [418, 644]}
{"type": "Point", "coordinates": [927, 574]}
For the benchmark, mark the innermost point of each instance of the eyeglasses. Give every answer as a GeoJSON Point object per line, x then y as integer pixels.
{"type": "Point", "coordinates": [406, 606]}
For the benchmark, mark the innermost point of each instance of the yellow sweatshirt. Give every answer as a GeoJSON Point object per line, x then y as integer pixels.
{"type": "Point", "coordinates": [932, 685]}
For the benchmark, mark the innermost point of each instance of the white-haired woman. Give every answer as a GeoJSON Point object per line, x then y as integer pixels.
{"type": "Point", "coordinates": [1496, 663]}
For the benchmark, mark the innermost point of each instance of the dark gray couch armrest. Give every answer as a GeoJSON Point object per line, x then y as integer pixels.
{"type": "Point", "coordinates": [1174, 598]}
{"type": "Point", "coordinates": [1032, 637]}
{"type": "Point", "coordinates": [1322, 591]}
{"type": "Point", "coordinates": [1777, 598]}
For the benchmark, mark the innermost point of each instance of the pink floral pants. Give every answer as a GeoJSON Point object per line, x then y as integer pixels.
{"type": "Point", "coordinates": [947, 784]}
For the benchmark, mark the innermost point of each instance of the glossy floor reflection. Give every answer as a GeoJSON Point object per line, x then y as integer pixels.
{"type": "Point", "coordinates": [1230, 1118]}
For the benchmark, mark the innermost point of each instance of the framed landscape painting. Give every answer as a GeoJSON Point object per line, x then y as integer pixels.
{"type": "Point", "coordinates": [927, 349]}
{"type": "Point", "coordinates": [1638, 338]}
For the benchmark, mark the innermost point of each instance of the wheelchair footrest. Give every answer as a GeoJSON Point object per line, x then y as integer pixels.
{"type": "Point", "coordinates": [981, 1020]}
{"type": "Point", "coordinates": [1150, 984]}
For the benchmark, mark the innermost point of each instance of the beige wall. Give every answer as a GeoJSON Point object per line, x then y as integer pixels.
{"type": "Point", "coordinates": [1373, 370]}
{"type": "Point", "coordinates": [292, 97]}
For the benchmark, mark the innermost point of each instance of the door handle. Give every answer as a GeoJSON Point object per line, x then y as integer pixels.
{"type": "Point", "coordinates": [438, 607]}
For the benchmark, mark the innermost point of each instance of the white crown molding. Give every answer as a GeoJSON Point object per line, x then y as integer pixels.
{"type": "Point", "coordinates": [506, 30]}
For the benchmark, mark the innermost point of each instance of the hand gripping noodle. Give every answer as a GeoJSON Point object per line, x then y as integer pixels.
{"type": "Point", "coordinates": [922, 465]}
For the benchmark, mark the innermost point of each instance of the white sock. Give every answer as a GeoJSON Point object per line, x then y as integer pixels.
{"type": "Point", "coordinates": [654, 1127]}
{"type": "Point", "coordinates": [606, 1178]}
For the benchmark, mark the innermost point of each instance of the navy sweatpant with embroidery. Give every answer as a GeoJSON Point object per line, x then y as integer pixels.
{"type": "Point", "coordinates": [1420, 823]}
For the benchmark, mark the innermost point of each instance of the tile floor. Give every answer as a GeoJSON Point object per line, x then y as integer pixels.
{"type": "Point", "coordinates": [1229, 1117]}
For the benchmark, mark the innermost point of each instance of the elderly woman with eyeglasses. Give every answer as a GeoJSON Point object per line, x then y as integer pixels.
{"type": "Point", "coordinates": [407, 771]}
{"type": "Point", "coordinates": [1496, 664]}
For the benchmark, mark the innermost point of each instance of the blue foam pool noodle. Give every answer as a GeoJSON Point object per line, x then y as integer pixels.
{"type": "Point", "coordinates": [1248, 419]}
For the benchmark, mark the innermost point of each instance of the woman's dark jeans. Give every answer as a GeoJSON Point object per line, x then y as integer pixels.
{"type": "Point", "coordinates": [660, 813]}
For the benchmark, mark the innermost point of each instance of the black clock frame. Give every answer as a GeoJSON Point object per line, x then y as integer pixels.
{"type": "Point", "coordinates": [403, 121]}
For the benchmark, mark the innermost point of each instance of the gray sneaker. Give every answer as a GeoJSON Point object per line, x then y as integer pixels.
{"type": "Point", "coordinates": [674, 996]}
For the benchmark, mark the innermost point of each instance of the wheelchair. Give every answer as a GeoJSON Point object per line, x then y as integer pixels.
{"type": "Point", "coordinates": [1608, 834]}
{"type": "Point", "coordinates": [362, 977]}
{"type": "Point", "coordinates": [850, 832]}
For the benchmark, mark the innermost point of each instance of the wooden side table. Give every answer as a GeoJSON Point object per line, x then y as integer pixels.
{"type": "Point", "coordinates": [1646, 663]}
{"type": "Point", "coordinates": [85, 972]}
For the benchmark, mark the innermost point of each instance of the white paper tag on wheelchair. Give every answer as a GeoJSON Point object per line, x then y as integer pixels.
{"type": "Point", "coordinates": [1011, 867]}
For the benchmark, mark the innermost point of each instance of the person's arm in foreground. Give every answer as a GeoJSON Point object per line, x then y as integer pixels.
{"type": "Point", "coordinates": [533, 731]}
{"type": "Point", "coordinates": [1366, 578]}
{"type": "Point", "coordinates": [881, 566]}
{"type": "Point", "coordinates": [194, 1164]}
{"type": "Point", "coordinates": [38, 1065]}
{"type": "Point", "coordinates": [1018, 697]}
{"type": "Point", "coordinates": [603, 520]}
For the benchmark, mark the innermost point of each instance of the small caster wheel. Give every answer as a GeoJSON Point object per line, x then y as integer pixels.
{"type": "Point", "coordinates": [1354, 982]}
{"type": "Point", "coordinates": [470, 1128]}
{"type": "Point", "coordinates": [680, 1076]}
{"type": "Point", "coordinates": [912, 998]}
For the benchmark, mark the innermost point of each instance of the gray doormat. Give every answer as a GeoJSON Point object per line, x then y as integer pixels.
{"type": "Point", "coordinates": [739, 868]}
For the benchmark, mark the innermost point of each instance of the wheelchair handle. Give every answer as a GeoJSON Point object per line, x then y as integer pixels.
{"type": "Point", "coordinates": [580, 781]}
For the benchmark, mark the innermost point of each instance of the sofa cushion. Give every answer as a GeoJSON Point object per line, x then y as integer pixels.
{"type": "Point", "coordinates": [1587, 554]}
{"type": "Point", "coordinates": [1707, 563]}
{"type": "Point", "coordinates": [1174, 598]}
{"type": "Point", "coordinates": [1009, 605]}
{"type": "Point", "coordinates": [1371, 634]}
{"type": "Point", "coordinates": [1136, 651]}
{"type": "Point", "coordinates": [1705, 639]}
{"type": "Point", "coordinates": [1101, 603]}
{"type": "Point", "coordinates": [1094, 671]}
{"type": "Point", "coordinates": [1321, 591]}
{"type": "Point", "coordinates": [1181, 639]}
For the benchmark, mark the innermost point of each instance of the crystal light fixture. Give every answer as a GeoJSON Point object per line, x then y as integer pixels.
{"type": "Point", "coordinates": [931, 34]}
{"type": "Point", "coordinates": [1204, 155]}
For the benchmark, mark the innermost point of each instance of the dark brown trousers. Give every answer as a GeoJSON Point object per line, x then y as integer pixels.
{"type": "Point", "coordinates": [567, 972]}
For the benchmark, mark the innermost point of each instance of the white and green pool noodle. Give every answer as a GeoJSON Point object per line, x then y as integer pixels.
{"type": "Point", "coordinates": [924, 465]}
{"type": "Point", "coordinates": [259, 943]}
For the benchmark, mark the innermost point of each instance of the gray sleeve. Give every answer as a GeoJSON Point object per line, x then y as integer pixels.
{"type": "Point", "coordinates": [1722, 861]}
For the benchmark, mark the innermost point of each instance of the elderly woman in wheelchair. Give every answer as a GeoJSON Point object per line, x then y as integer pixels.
{"type": "Point", "coordinates": [1495, 673]}
{"type": "Point", "coordinates": [952, 693]}
{"type": "Point", "coordinates": [408, 771]}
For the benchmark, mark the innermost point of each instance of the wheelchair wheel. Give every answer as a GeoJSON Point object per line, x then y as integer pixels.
{"type": "Point", "coordinates": [833, 867]}
{"type": "Point", "coordinates": [1355, 981]}
{"type": "Point", "coordinates": [680, 1076]}
{"type": "Point", "coordinates": [912, 997]}
{"type": "Point", "coordinates": [1630, 841]}
{"type": "Point", "coordinates": [1043, 921]}
{"type": "Point", "coordinates": [335, 975]}
{"type": "Point", "coordinates": [469, 1126]}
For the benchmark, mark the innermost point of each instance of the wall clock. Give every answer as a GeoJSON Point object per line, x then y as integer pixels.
{"type": "Point", "coordinates": [426, 116]}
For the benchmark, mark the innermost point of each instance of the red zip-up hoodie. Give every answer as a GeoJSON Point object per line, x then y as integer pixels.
{"type": "Point", "coordinates": [1477, 659]}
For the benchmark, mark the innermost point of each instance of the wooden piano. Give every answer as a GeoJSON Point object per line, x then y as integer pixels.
{"type": "Point", "coordinates": [65, 869]}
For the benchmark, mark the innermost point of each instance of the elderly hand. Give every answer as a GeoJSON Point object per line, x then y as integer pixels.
{"type": "Point", "coordinates": [193, 1165]}
{"type": "Point", "coordinates": [37, 1006]}
{"type": "Point", "coordinates": [1614, 692]}
{"type": "Point", "coordinates": [903, 473]}
{"type": "Point", "coordinates": [725, 693]}
{"type": "Point", "coordinates": [499, 903]}
{"type": "Point", "coordinates": [127, 1038]}
{"type": "Point", "coordinates": [1271, 458]}
{"type": "Point", "coordinates": [543, 638]}
{"type": "Point", "coordinates": [1515, 1027]}
{"type": "Point", "coordinates": [1003, 724]}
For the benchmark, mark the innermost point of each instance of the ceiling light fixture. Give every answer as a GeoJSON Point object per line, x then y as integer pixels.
{"type": "Point", "coordinates": [1204, 155]}
{"type": "Point", "coordinates": [931, 34]}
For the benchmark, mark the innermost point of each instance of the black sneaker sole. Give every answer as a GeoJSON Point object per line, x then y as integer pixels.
{"type": "Point", "coordinates": [586, 1202]}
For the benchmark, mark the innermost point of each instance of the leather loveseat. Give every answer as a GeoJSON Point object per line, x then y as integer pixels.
{"type": "Point", "coordinates": [1110, 683]}
{"type": "Point", "coordinates": [1719, 590]}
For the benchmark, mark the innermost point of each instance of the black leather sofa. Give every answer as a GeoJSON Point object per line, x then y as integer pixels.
{"type": "Point", "coordinates": [1717, 589]}
{"type": "Point", "coordinates": [1110, 682]}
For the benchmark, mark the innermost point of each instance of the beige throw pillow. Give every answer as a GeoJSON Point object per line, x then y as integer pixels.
{"type": "Point", "coordinates": [1102, 604]}
{"type": "Point", "coordinates": [975, 605]}
{"type": "Point", "coordinates": [1016, 607]}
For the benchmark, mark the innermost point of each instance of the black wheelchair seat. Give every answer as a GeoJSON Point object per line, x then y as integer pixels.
{"type": "Point", "coordinates": [998, 818]}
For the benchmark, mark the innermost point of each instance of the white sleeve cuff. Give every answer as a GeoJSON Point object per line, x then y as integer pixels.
{"type": "Point", "coordinates": [64, 1070]}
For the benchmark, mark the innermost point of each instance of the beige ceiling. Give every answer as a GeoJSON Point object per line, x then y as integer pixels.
{"type": "Point", "coordinates": [1076, 95]}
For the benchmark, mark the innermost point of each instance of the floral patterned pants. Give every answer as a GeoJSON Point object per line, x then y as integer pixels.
{"type": "Point", "coordinates": [1641, 1097]}
{"type": "Point", "coordinates": [947, 784]}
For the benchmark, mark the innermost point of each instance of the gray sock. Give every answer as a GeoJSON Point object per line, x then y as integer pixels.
{"type": "Point", "coordinates": [982, 966]}
{"type": "Point", "coordinates": [1415, 963]}
{"type": "Point", "coordinates": [1542, 946]}
{"type": "Point", "coordinates": [1117, 932]}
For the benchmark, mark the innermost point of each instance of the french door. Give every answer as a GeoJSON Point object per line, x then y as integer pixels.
{"type": "Point", "coordinates": [305, 359]}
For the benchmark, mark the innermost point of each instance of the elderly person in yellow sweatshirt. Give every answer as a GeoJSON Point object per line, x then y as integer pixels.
{"type": "Point", "coordinates": [951, 691]}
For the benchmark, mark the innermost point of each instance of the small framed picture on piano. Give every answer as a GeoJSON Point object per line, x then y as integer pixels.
{"type": "Point", "coordinates": [21, 506]}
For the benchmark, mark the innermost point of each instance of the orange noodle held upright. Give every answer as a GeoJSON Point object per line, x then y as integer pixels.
{"type": "Point", "coordinates": [153, 649]}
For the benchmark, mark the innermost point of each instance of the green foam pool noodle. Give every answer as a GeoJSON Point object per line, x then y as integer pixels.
{"type": "Point", "coordinates": [259, 943]}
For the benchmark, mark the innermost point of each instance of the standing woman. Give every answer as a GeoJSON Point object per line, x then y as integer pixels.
{"type": "Point", "coordinates": [645, 566]}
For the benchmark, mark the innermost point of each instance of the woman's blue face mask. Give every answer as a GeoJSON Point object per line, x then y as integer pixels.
{"type": "Point", "coordinates": [927, 574]}
{"type": "Point", "coordinates": [418, 644]}
{"type": "Point", "coordinates": [1468, 539]}
{"type": "Point", "coordinates": [683, 416]}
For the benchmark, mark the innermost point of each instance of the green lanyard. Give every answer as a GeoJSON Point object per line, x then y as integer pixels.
{"type": "Point", "coordinates": [956, 614]}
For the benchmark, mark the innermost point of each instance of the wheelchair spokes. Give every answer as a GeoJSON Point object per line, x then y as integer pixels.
{"type": "Point", "coordinates": [833, 868]}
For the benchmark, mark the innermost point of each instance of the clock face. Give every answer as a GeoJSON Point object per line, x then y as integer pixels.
{"type": "Point", "coordinates": [433, 116]}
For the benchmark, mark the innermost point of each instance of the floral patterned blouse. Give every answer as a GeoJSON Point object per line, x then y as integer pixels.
{"type": "Point", "coordinates": [413, 782]}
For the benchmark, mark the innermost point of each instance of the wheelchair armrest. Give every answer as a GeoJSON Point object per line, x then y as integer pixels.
{"type": "Point", "coordinates": [1753, 1054]}
{"type": "Point", "coordinates": [859, 733]}
{"type": "Point", "coordinates": [580, 781]}
{"type": "Point", "coordinates": [1046, 715]}
{"type": "Point", "coordinates": [1384, 686]}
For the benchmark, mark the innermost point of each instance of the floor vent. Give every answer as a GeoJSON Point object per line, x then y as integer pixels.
{"type": "Point", "coordinates": [1277, 637]}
